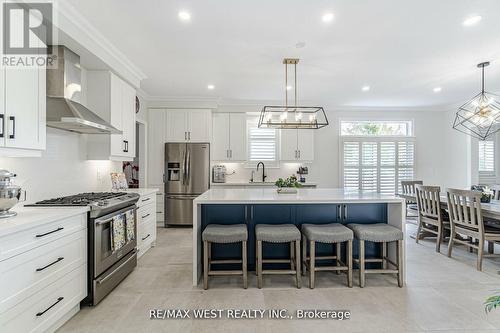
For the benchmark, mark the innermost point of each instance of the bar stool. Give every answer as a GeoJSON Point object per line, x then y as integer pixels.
{"type": "Point", "coordinates": [278, 233]}
{"type": "Point", "coordinates": [333, 233]}
{"type": "Point", "coordinates": [224, 234]}
{"type": "Point", "coordinates": [379, 233]}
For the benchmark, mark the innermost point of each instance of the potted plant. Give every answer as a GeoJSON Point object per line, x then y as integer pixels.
{"type": "Point", "coordinates": [288, 185]}
{"type": "Point", "coordinates": [492, 302]}
{"type": "Point", "coordinates": [486, 194]}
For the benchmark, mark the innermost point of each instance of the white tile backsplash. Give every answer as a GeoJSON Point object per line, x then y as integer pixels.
{"type": "Point", "coordinates": [62, 170]}
{"type": "Point", "coordinates": [243, 173]}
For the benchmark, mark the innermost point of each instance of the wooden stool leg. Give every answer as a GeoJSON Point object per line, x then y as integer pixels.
{"type": "Point", "coordinates": [399, 254]}
{"type": "Point", "coordinates": [312, 261]}
{"type": "Point", "coordinates": [362, 263]}
{"type": "Point", "coordinates": [244, 264]}
{"type": "Point", "coordinates": [349, 263]}
{"type": "Point", "coordinates": [205, 264]}
{"type": "Point", "coordinates": [338, 254]}
{"type": "Point", "coordinates": [292, 256]}
{"type": "Point", "coordinates": [297, 263]}
{"type": "Point", "coordinates": [259, 264]}
{"type": "Point", "coordinates": [384, 255]}
{"type": "Point", "coordinates": [304, 255]}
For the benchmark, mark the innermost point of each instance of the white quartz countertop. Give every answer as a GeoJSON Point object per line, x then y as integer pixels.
{"type": "Point", "coordinates": [258, 184]}
{"type": "Point", "coordinates": [303, 195]}
{"type": "Point", "coordinates": [30, 217]}
{"type": "Point", "coordinates": [142, 190]}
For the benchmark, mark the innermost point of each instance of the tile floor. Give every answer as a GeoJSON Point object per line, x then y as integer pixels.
{"type": "Point", "coordinates": [442, 294]}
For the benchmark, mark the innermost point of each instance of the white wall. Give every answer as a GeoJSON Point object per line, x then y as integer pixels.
{"type": "Point", "coordinates": [62, 169]}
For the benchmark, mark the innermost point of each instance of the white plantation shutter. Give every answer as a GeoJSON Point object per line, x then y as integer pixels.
{"type": "Point", "coordinates": [351, 165]}
{"type": "Point", "coordinates": [487, 156]}
{"type": "Point", "coordinates": [262, 144]}
{"type": "Point", "coordinates": [377, 165]}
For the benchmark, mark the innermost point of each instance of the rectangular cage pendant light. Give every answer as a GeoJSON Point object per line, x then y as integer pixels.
{"type": "Point", "coordinates": [292, 116]}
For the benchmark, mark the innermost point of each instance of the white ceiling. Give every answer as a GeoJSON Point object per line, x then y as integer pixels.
{"type": "Point", "coordinates": [402, 49]}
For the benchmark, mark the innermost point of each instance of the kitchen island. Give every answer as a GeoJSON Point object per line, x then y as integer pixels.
{"type": "Point", "coordinates": [263, 205]}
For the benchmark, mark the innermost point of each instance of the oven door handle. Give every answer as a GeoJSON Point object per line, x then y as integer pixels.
{"type": "Point", "coordinates": [101, 222]}
{"type": "Point", "coordinates": [104, 279]}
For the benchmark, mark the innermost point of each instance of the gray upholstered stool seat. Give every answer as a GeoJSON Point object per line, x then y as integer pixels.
{"type": "Point", "coordinates": [378, 232]}
{"type": "Point", "coordinates": [327, 233]}
{"type": "Point", "coordinates": [219, 233]}
{"type": "Point", "coordinates": [277, 233]}
{"type": "Point", "coordinates": [224, 234]}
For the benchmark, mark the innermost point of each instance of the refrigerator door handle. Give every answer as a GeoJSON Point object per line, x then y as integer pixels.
{"type": "Point", "coordinates": [188, 166]}
{"type": "Point", "coordinates": [184, 197]}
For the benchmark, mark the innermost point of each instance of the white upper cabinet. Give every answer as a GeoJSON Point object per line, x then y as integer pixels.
{"type": "Point", "coordinates": [297, 145]}
{"type": "Point", "coordinates": [229, 137]}
{"type": "Point", "coordinates": [156, 146]}
{"type": "Point", "coordinates": [22, 111]}
{"type": "Point", "coordinates": [113, 100]}
{"type": "Point", "coordinates": [188, 125]}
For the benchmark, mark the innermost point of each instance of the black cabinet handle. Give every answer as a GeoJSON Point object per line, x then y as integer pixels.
{"type": "Point", "coordinates": [146, 237]}
{"type": "Point", "coordinates": [3, 125]}
{"type": "Point", "coordinates": [339, 212]}
{"type": "Point", "coordinates": [50, 307]}
{"type": "Point", "coordinates": [345, 212]}
{"type": "Point", "coordinates": [52, 263]}
{"type": "Point", "coordinates": [50, 232]}
{"type": "Point", "coordinates": [13, 135]}
{"type": "Point", "coordinates": [145, 216]}
{"type": "Point", "coordinates": [125, 150]}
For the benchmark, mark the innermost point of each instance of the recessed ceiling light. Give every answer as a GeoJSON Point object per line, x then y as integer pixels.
{"type": "Point", "coordinates": [437, 89]}
{"type": "Point", "coordinates": [184, 15]}
{"type": "Point", "coordinates": [472, 20]}
{"type": "Point", "coordinates": [300, 45]}
{"type": "Point", "coordinates": [210, 87]}
{"type": "Point", "coordinates": [327, 17]}
{"type": "Point", "coordinates": [289, 87]}
{"type": "Point", "coordinates": [366, 88]}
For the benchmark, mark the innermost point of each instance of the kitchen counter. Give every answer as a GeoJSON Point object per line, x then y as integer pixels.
{"type": "Point", "coordinates": [142, 190]}
{"type": "Point", "coordinates": [253, 206]}
{"type": "Point", "coordinates": [303, 195]}
{"type": "Point", "coordinates": [257, 184]}
{"type": "Point", "coordinates": [31, 217]}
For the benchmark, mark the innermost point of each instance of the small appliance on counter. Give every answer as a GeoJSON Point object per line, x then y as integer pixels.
{"type": "Point", "coordinates": [303, 170]}
{"type": "Point", "coordinates": [9, 194]}
{"type": "Point", "coordinates": [219, 174]}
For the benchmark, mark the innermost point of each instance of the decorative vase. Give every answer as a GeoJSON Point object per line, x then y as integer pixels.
{"type": "Point", "coordinates": [286, 190]}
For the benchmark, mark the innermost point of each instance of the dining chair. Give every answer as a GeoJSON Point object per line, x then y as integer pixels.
{"type": "Point", "coordinates": [430, 213]}
{"type": "Point", "coordinates": [496, 191]}
{"type": "Point", "coordinates": [408, 188]}
{"type": "Point", "coordinates": [466, 219]}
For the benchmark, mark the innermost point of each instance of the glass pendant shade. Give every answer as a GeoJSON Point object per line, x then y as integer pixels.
{"type": "Point", "coordinates": [292, 117]}
{"type": "Point", "coordinates": [480, 116]}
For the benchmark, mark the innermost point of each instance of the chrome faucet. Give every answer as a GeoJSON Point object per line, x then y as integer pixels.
{"type": "Point", "coordinates": [263, 171]}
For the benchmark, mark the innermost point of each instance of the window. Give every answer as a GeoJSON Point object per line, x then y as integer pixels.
{"type": "Point", "coordinates": [262, 144]}
{"type": "Point", "coordinates": [487, 157]}
{"type": "Point", "coordinates": [376, 128]}
{"type": "Point", "coordinates": [376, 162]}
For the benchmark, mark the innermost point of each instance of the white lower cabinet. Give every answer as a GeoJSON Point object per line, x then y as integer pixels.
{"type": "Point", "coordinates": [146, 223]}
{"type": "Point", "coordinates": [42, 282]}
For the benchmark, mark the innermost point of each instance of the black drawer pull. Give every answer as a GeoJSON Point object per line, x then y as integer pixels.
{"type": "Point", "coordinates": [50, 232]}
{"type": "Point", "coordinates": [146, 199]}
{"type": "Point", "coordinates": [146, 236]}
{"type": "Point", "coordinates": [13, 135]}
{"type": "Point", "coordinates": [52, 263]}
{"type": "Point", "coordinates": [145, 216]}
{"type": "Point", "coordinates": [50, 307]}
{"type": "Point", "coordinates": [2, 126]}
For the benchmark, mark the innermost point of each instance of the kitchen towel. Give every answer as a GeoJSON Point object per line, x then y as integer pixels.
{"type": "Point", "coordinates": [130, 222]}
{"type": "Point", "coordinates": [118, 232]}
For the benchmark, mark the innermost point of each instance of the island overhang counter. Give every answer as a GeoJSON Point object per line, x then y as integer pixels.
{"type": "Point", "coordinates": [265, 205]}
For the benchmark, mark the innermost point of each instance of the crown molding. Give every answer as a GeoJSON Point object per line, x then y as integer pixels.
{"type": "Point", "coordinates": [77, 27]}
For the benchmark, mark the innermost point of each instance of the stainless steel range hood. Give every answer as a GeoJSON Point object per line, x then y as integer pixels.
{"type": "Point", "coordinates": [64, 88]}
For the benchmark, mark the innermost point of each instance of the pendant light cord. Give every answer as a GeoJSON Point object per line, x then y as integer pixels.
{"type": "Point", "coordinates": [286, 86]}
{"type": "Point", "coordinates": [482, 79]}
{"type": "Point", "coordinates": [295, 85]}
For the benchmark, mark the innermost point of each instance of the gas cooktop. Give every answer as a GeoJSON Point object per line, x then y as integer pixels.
{"type": "Point", "coordinates": [96, 200]}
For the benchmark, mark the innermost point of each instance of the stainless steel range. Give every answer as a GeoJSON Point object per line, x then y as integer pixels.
{"type": "Point", "coordinates": [108, 265]}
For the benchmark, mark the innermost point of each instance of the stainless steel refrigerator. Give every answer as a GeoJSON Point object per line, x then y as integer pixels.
{"type": "Point", "coordinates": [187, 175]}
